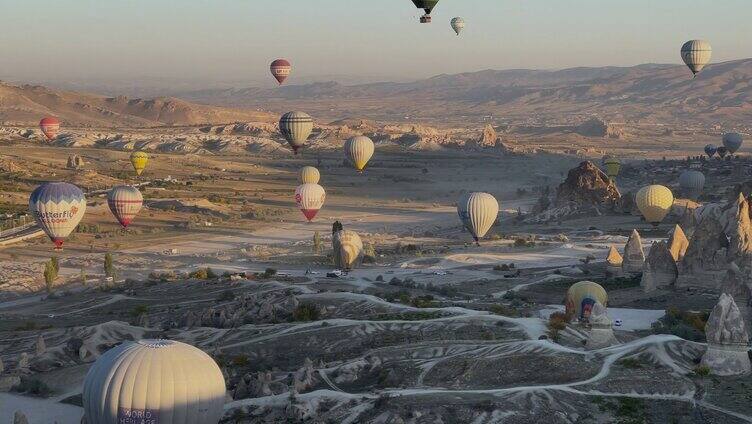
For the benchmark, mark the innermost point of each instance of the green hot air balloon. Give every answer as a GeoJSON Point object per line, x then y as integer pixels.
{"type": "Point", "coordinates": [427, 6]}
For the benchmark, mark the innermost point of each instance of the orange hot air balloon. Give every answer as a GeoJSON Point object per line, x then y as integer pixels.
{"type": "Point", "coordinates": [281, 69]}
{"type": "Point", "coordinates": [50, 127]}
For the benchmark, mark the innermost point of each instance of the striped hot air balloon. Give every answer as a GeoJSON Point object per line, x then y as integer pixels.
{"type": "Point", "coordinates": [732, 142]}
{"type": "Point", "coordinates": [50, 126]}
{"type": "Point", "coordinates": [691, 183]}
{"type": "Point", "coordinates": [154, 381]}
{"type": "Point", "coordinates": [478, 212]}
{"type": "Point", "coordinates": [125, 202]}
{"type": "Point", "coordinates": [58, 208]}
{"type": "Point", "coordinates": [310, 198]}
{"type": "Point", "coordinates": [696, 55]}
{"type": "Point", "coordinates": [296, 127]}
{"type": "Point", "coordinates": [358, 151]}
{"type": "Point", "coordinates": [280, 69]}
{"type": "Point", "coordinates": [139, 161]}
{"type": "Point", "coordinates": [309, 174]}
{"type": "Point", "coordinates": [582, 296]}
{"type": "Point", "coordinates": [348, 249]}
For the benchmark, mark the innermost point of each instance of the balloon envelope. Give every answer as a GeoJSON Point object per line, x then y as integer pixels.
{"type": "Point", "coordinates": [732, 142]}
{"type": "Point", "coordinates": [696, 55]}
{"type": "Point", "coordinates": [296, 127]}
{"type": "Point", "coordinates": [582, 296]}
{"type": "Point", "coordinates": [710, 150]}
{"type": "Point", "coordinates": [125, 202]}
{"type": "Point", "coordinates": [50, 127]}
{"type": "Point", "coordinates": [458, 24]}
{"type": "Point", "coordinates": [478, 212]}
{"type": "Point", "coordinates": [613, 166]}
{"type": "Point", "coordinates": [139, 161]}
{"type": "Point", "coordinates": [310, 198]}
{"type": "Point", "coordinates": [57, 208]}
{"type": "Point", "coordinates": [654, 201]}
{"type": "Point", "coordinates": [426, 5]}
{"type": "Point", "coordinates": [157, 381]}
{"type": "Point", "coordinates": [722, 151]}
{"type": "Point", "coordinates": [348, 249]}
{"type": "Point", "coordinates": [309, 174]}
{"type": "Point", "coordinates": [280, 69]}
{"type": "Point", "coordinates": [692, 182]}
{"type": "Point", "coordinates": [358, 151]}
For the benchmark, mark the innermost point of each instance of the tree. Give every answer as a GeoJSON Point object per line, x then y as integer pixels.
{"type": "Point", "coordinates": [51, 269]}
{"type": "Point", "coordinates": [109, 268]}
{"type": "Point", "coordinates": [316, 242]}
{"type": "Point", "coordinates": [83, 276]}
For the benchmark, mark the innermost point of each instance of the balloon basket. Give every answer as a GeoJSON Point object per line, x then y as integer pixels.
{"type": "Point", "coordinates": [425, 19]}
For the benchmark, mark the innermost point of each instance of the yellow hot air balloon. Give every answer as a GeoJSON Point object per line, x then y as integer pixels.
{"type": "Point", "coordinates": [582, 296]}
{"type": "Point", "coordinates": [654, 201]}
{"type": "Point", "coordinates": [358, 151]}
{"type": "Point", "coordinates": [348, 249]}
{"type": "Point", "coordinates": [613, 166]}
{"type": "Point", "coordinates": [139, 161]}
{"type": "Point", "coordinates": [309, 174]}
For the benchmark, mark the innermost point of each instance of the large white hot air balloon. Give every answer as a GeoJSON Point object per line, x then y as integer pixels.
{"type": "Point", "coordinates": [696, 55]}
{"type": "Point", "coordinates": [732, 141]}
{"type": "Point", "coordinates": [478, 212]}
{"type": "Point", "coordinates": [348, 249]}
{"type": "Point", "coordinates": [309, 174]}
{"type": "Point", "coordinates": [296, 127]}
{"type": "Point", "coordinates": [358, 151]}
{"type": "Point", "coordinates": [125, 202]}
{"type": "Point", "coordinates": [154, 381]}
{"type": "Point", "coordinates": [458, 24]}
{"type": "Point", "coordinates": [58, 208]}
{"type": "Point", "coordinates": [310, 198]}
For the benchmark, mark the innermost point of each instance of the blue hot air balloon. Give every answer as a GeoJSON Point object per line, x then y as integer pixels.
{"type": "Point", "coordinates": [710, 150]}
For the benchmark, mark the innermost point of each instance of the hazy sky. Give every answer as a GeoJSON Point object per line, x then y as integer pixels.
{"type": "Point", "coordinates": [212, 41]}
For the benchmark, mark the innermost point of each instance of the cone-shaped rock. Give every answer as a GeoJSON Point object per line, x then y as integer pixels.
{"type": "Point", "coordinates": [614, 257]}
{"type": "Point", "coordinates": [737, 286]}
{"type": "Point", "coordinates": [678, 243]}
{"type": "Point", "coordinates": [727, 339]}
{"type": "Point", "coordinates": [634, 256]}
{"type": "Point", "coordinates": [659, 269]}
{"type": "Point", "coordinates": [601, 331]}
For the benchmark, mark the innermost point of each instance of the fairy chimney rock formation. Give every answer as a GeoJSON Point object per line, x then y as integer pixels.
{"type": "Point", "coordinates": [601, 332]}
{"type": "Point", "coordinates": [634, 255]}
{"type": "Point", "coordinates": [587, 185]}
{"type": "Point", "coordinates": [736, 285]}
{"type": "Point", "coordinates": [727, 339]}
{"type": "Point", "coordinates": [614, 257]}
{"type": "Point", "coordinates": [678, 243]}
{"type": "Point", "coordinates": [659, 269]}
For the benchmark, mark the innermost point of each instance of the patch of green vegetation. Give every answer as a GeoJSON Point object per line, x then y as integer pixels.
{"type": "Point", "coordinates": [633, 363]}
{"type": "Point", "coordinates": [504, 310]}
{"type": "Point", "coordinates": [625, 410]}
{"type": "Point", "coordinates": [226, 296]}
{"type": "Point", "coordinates": [702, 371]}
{"type": "Point", "coordinates": [408, 316]}
{"type": "Point", "coordinates": [32, 386]}
{"type": "Point", "coordinates": [306, 312]}
{"type": "Point", "coordinates": [139, 309]}
{"type": "Point", "coordinates": [687, 325]}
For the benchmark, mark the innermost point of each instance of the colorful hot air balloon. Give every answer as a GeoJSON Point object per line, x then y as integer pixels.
{"type": "Point", "coordinates": [154, 381]}
{"type": "Point", "coordinates": [722, 151]}
{"type": "Point", "coordinates": [696, 54]}
{"type": "Point", "coordinates": [50, 127]}
{"type": "Point", "coordinates": [296, 127]}
{"type": "Point", "coordinates": [710, 150]}
{"type": "Point", "coordinates": [582, 296]}
{"type": "Point", "coordinates": [139, 161]}
{"type": "Point", "coordinates": [358, 151]}
{"type": "Point", "coordinates": [613, 166]}
{"type": "Point", "coordinates": [458, 24]}
{"type": "Point", "coordinates": [478, 212]}
{"type": "Point", "coordinates": [427, 6]}
{"type": "Point", "coordinates": [691, 183]}
{"type": "Point", "coordinates": [57, 208]}
{"type": "Point", "coordinates": [309, 174]}
{"type": "Point", "coordinates": [348, 249]}
{"type": "Point", "coordinates": [732, 142]}
{"type": "Point", "coordinates": [281, 69]}
{"type": "Point", "coordinates": [125, 202]}
{"type": "Point", "coordinates": [654, 201]}
{"type": "Point", "coordinates": [310, 198]}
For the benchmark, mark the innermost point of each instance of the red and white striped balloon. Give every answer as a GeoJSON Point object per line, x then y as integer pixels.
{"type": "Point", "coordinates": [50, 127]}
{"type": "Point", "coordinates": [281, 69]}
{"type": "Point", "coordinates": [125, 202]}
{"type": "Point", "coordinates": [310, 198]}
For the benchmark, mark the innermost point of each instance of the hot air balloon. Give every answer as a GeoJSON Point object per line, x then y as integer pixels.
{"type": "Point", "coordinates": [358, 151]}
{"type": "Point", "coordinates": [310, 198]}
{"type": "Point", "coordinates": [281, 69]}
{"type": "Point", "coordinates": [458, 24]}
{"type": "Point", "coordinates": [57, 208]}
{"type": "Point", "coordinates": [613, 166]}
{"type": "Point", "coordinates": [732, 142]}
{"type": "Point", "coordinates": [696, 54]}
{"type": "Point", "coordinates": [296, 127]}
{"type": "Point", "coordinates": [654, 201]}
{"type": "Point", "coordinates": [478, 212]}
{"type": "Point", "coordinates": [154, 381]}
{"type": "Point", "coordinates": [710, 150]}
{"type": "Point", "coordinates": [50, 127]}
{"type": "Point", "coordinates": [692, 183]}
{"type": "Point", "coordinates": [582, 296]}
{"type": "Point", "coordinates": [722, 151]}
{"type": "Point", "coordinates": [348, 249]}
{"type": "Point", "coordinates": [427, 6]}
{"type": "Point", "coordinates": [309, 174]}
{"type": "Point", "coordinates": [139, 161]}
{"type": "Point", "coordinates": [125, 202]}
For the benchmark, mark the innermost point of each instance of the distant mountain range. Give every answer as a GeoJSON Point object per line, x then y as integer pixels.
{"type": "Point", "coordinates": [27, 104]}
{"type": "Point", "coordinates": [650, 93]}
